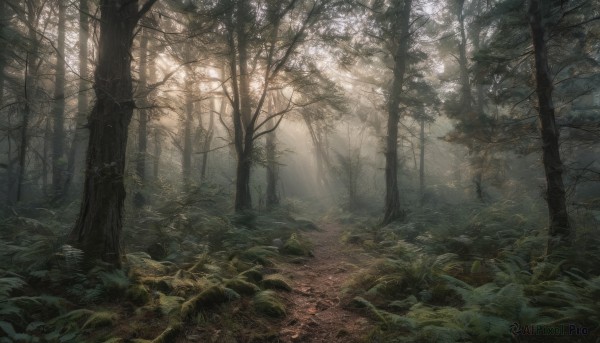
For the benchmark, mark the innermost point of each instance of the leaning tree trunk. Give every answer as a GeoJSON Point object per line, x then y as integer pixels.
{"type": "Point", "coordinates": [98, 228]}
{"type": "Point", "coordinates": [560, 231]}
{"type": "Point", "coordinates": [76, 152]}
{"type": "Point", "coordinates": [393, 210]}
{"type": "Point", "coordinates": [58, 139]}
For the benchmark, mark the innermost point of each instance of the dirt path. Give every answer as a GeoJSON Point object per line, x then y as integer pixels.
{"type": "Point", "coordinates": [315, 310]}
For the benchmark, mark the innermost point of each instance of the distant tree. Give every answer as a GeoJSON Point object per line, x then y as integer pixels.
{"type": "Point", "coordinates": [76, 154]}
{"type": "Point", "coordinates": [58, 134]}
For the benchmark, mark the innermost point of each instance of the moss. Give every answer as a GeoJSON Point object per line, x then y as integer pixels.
{"type": "Point", "coordinates": [213, 296]}
{"type": "Point", "coordinates": [242, 287]}
{"type": "Point", "coordinates": [169, 304]}
{"type": "Point", "coordinates": [138, 294]}
{"type": "Point", "coordinates": [276, 281]}
{"type": "Point", "coordinates": [252, 275]}
{"type": "Point", "coordinates": [259, 254]}
{"type": "Point", "coordinates": [100, 319]}
{"type": "Point", "coordinates": [267, 303]}
{"type": "Point", "coordinates": [295, 246]}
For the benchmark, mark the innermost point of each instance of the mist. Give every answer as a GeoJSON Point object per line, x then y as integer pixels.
{"type": "Point", "coordinates": [299, 171]}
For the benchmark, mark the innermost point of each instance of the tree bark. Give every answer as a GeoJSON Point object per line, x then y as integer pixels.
{"type": "Point", "coordinates": [271, 152]}
{"type": "Point", "coordinates": [244, 130]}
{"type": "Point", "coordinates": [187, 129]}
{"type": "Point", "coordinates": [98, 228]}
{"type": "Point", "coordinates": [157, 152]}
{"type": "Point", "coordinates": [422, 161]}
{"type": "Point", "coordinates": [58, 136]}
{"type": "Point", "coordinates": [209, 136]}
{"type": "Point", "coordinates": [393, 210]}
{"type": "Point", "coordinates": [560, 230]}
{"type": "Point", "coordinates": [80, 135]}
{"type": "Point", "coordinates": [140, 165]}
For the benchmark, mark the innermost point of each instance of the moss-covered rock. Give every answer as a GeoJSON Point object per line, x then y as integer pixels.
{"type": "Point", "coordinates": [242, 287]}
{"type": "Point", "coordinates": [276, 281]}
{"type": "Point", "coordinates": [213, 296]}
{"type": "Point", "coordinates": [295, 246]}
{"type": "Point", "coordinates": [267, 303]}
{"type": "Point", "coordinates": [169, 305]}
{"type": "Point", "coordinates": [138, 294]}
{"type": "Point", "coordinates": [259, 254]}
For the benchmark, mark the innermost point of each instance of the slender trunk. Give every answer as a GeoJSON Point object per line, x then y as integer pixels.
{"type": "Point", "coordinates": [29, 91]}
{"type": "Point", "coordinates": [58, 136]}
{"type": "Point", "coordinates": [44, 156]}
{"type": "Point", "coordinates": [466, 97]}
{"type": "Point", "coordinates": [9, 164]}
{"type": "Point", "coordinates": [209, 136]}
{"type": "Point", "coordinates": [560, 230]}
{"type": "Point", "coordinates": [98, 228]}
{"type": "Point", "coordinates": [187, 129]}
{"type": "Point", "coordinates": [245, 141]}
{"type": "Point", "coordinates": [157, 152]}
{"type": "Point", "coordinates": [80, 135]}
{"type": "Point", "coordinates": [393, 210]}
{"type": "Point", "coordinates": [143, 114]}
{"type": "Point", "coordinates": [271, 151]}
{"type": "Point", "coordinates": [422, 161]}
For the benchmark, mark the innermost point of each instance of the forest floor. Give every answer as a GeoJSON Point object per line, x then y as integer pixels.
{"type": "Point", "coordinates": [316, 311]}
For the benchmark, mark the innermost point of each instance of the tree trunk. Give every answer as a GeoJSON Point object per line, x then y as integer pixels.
{"type": "Point", "coordinates": [244, 130]}
{"type": "Point", "coordinates": [209, 136]}
{"type": "Point", "coordinates": [187, 129]}
{"type": "Point", "coordinates": [157, 152]}
{"type": "Point", "coordinates": [80, 135]}
{"type": "Point", "coordinates": [58, 136]}
{"type": "Point", "coordinates": [422, 161]}
{"type": "Point", "coordinates": [271, 151]}
{"type": "Point", "coordinates": [98, 228]}
{"type": "Point", "coordinates": [393, 210]}
{"type": "Point", "coordinates": [560, 230]}
{"type": "Point", "coordinates": [143, 114]}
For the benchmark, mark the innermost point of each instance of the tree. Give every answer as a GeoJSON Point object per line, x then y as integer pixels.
{"type": "Point", "coordinates": [401, 31]}
{"type": "Point", "coordinates": [560, 230]}
{"type": "Point", "coordinates": [58, 163]}
{"type": "Point", "coordinates": [98, 228]}
{"type": "Point", "coordinates": [258, 60]}
{"type": "Point", "coordinates": [76, 151]}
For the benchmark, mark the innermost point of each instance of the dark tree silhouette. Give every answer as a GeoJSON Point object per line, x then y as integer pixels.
{"type": "Point", "coordinates": [98, 228]}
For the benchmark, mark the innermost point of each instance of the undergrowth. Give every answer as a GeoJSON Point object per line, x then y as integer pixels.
{"type": "Point", "coordinates": [477, 273]}
{"type": "Point", "coordinates": [191, 272]}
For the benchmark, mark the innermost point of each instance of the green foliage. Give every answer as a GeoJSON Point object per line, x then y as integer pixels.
{"type": "Point", "coordinates": [496, 274]}
{"type": "Point", "coordinates": [276, 281]}
{"type": "Point", "coordinates": [267, 303]}
{"type": "Point", "coordinates": [242, 287]}
{"type": "Point", "coordinates": [213, 296]}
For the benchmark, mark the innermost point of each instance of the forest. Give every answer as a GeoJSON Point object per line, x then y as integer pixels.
{"type": "Point", "coordinates": [299, 171]}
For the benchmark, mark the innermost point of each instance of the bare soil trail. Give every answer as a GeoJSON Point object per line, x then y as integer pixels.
{"type": "Point", "coordinates": [315, 308]}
